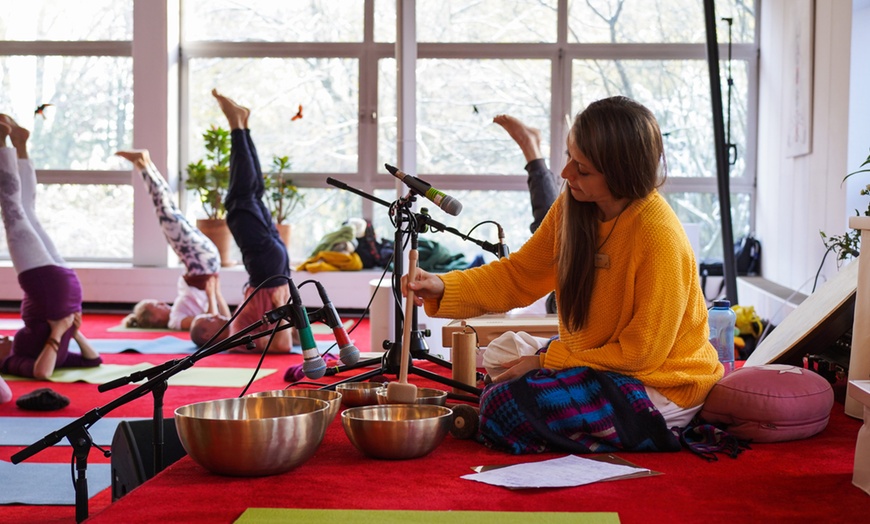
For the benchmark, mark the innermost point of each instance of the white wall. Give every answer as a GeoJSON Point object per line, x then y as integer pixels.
{"type": "Point", "coordinates": [800, 196]}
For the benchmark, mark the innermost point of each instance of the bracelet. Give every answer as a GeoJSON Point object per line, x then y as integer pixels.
{"type": "Point", "coordinates": [53, 343]}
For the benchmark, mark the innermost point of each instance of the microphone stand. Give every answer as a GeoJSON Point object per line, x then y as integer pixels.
{"type": "Point", "coordinates": [390, 362]}
{"type": "Point", "coordinates": [77, 431]}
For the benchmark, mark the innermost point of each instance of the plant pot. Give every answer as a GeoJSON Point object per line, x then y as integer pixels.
{"type": "Point", "coordinates": [284, 233]}
{"type": "Point", "coordinates": [217, 231]}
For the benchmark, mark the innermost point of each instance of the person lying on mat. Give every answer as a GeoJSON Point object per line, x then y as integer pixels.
{"type": "Point", "coordinates": [263, 252]}
{"type": "Point", "coordinates": [52, 303]}
{"type": "Point", "coordinates": [632, 358]}
{"type": "Point", "coordinates": [199, 290]}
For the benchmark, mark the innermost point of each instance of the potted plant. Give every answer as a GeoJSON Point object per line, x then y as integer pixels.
{"type": "Point", "coordinates": [210, 179]}
{"type": "Point", "coordinates": [848, 245]}
{"type": "Point", "coordinates": [282, 196]}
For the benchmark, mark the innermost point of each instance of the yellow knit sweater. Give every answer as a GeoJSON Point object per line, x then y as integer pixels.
{"type": "Point", "coordinates": [648, 318]}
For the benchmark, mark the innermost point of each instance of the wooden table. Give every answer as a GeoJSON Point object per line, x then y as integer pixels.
{"type": "Point", "coordinates": [489, 327]}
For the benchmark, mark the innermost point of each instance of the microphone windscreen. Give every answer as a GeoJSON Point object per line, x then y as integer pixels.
{"type": "Point", "coordinates": [451, 206]}
{"type": "Point", "coordinates": [314, 368]}
{"type": "Point", "coordinates": [349, 355]}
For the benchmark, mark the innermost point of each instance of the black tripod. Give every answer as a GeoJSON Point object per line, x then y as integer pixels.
{"type": "Point", "coordinates": [408, 226]}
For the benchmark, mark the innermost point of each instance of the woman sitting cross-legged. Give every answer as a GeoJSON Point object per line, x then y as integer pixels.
{"type": "Point", "coordinates": [632, 359]}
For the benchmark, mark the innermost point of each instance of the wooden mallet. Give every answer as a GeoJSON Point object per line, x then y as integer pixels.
{"type": "Point", "coordinates": [401, 392]}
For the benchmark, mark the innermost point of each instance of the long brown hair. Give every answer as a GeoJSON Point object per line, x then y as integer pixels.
{"type": "Point", "coordinates": [622, 140]}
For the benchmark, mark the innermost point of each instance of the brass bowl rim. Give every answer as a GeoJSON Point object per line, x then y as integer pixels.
{"type": "Point", "coordinates": [442, 411]}
{"type": "Point", "coordinates": [359, 385]}
{"type": "Point", "coordinates": [316, 401]}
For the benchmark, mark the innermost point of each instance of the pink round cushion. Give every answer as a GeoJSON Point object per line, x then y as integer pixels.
{"type": "Point", "coordinates": [771, 403]}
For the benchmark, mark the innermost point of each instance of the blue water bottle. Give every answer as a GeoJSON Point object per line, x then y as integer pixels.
{"type": "Point", "coordinates": [722, 320]}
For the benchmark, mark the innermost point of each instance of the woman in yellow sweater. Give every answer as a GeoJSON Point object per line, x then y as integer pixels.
{"type": "Point", "coordinates": [632, 358]}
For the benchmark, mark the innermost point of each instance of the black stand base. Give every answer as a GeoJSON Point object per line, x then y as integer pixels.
{"type": "Point", "coordinates": [390, 364]}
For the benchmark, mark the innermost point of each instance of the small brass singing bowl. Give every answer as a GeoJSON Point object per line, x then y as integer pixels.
{"type": "Point", "coordinates": [397, 431]}
{"type": "Point", "coordinates": [333, 398]}
{"type": "Point", "coordinates": [252, 436]}
{"type": "Point", "coordinates": [355, 394]}
{"type": "Point", "coordinates": [434, 396]}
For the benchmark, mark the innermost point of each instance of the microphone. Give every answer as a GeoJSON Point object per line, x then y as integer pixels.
{"type": "Point", "coordinates": [348, 353]}
{"type": "Point", "coordinates": [313, 365]}
{"type": "Point", "coordinates": [502, 249]}
{"type": "Point", "coordinates": [447, 203]}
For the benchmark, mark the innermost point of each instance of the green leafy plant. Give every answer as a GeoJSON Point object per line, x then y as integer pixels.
{"type": "Point", "coordinates": [282, 195]}
{"type": "Point", "coordinates": [848, 245]}
{"type": "Point", "coordinates": [211, 181]}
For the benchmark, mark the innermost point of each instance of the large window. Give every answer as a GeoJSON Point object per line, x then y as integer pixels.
{"type": "Point", "coordinates": [75, 57]}
{"type": "Point", "coordinates": [539, 60]}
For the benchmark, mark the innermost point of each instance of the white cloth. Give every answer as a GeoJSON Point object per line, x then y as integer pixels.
{"type": "Point", "coordinates": [510, 345]}
{"type": "Point", "coordinates": [189, 303]}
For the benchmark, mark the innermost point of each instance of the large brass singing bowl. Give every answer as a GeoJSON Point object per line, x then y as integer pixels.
{"type": "Point", "coordinates": [252, 436]}
{"type": "Point", "coordinates": [355, 394]}
{"type": "Point", "coordinates": [424, 396]}
{"type": "Point", "coordinates": [333, 398]}
{"type": "Point", "coordinates": [397, 431]}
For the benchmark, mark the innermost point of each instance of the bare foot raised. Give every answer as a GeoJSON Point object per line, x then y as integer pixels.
{"type": "Point", "coordinates": [528, 138]}
{"type": "Point", "coordinates": [139, 157]}
{"type": "Point", "coordinates": [237, 115]}
{"type": "Point", "coordinates": [17, 135]}
{"type": "Point", "coordinates": [5, 129]}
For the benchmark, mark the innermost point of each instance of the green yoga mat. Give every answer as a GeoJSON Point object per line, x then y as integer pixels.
{"type": "Point", "coordinates": [370, 516]}
{"type": "Point", "coordinates": [202, 376]}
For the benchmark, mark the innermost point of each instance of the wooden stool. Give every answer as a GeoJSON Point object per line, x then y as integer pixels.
{"type": "Point", "coordinates": [860, 391]}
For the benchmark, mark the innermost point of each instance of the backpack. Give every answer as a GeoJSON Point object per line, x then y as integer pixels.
{"type": "Point", "coordinates": [373, 252]}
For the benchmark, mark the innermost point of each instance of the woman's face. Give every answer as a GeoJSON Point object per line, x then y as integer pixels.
{"type": "Point", "coordinates": [586, 183]}
{"type": "Point", "coordinates": [159, 312]}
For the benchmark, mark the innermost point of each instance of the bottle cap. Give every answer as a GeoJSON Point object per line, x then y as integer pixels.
{"type": "Point", "coordinates": [722, 303]}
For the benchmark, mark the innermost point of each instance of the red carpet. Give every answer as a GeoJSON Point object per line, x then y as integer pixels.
{"type": "Point", "coordinates": [801, 481]}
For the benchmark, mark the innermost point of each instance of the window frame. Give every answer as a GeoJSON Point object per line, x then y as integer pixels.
{"type": "Point", "coordinates": [161, 100]}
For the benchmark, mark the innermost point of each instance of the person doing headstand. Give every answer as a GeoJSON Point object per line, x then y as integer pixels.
{"type": "Point", "coordinates": [263, 252]}
{"type": "Point", "coordinates": [632, 360]}
{"type": "Point", "coordinates": [52, 303]}
{"type": "Point", "coordinates": [543, 189]}
{"type": "Point", "coordinates": [199, 291]}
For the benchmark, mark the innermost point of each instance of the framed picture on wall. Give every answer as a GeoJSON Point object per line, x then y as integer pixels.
{"type": "Point", "coordinates": [798, 75]}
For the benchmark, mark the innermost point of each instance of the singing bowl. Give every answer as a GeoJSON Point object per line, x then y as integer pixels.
{"type": "Point", "coordinates": [333, 398]}
{"type": "Point", "coordinates": [355, 394]}
{"type": "Point", "coordinates": [397, 431]}
{"type": "Point", "coordinates": [252, 436]}
{"type": "Point", "coordinates": [434, 396]}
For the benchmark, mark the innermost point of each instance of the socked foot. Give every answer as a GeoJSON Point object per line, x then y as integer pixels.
{"type": "Point", "coordinates": [237, 116]}
{"type": "Point", "coordinates": [528, 138]}
{"type": "Point", "coordinates": [138, 157]}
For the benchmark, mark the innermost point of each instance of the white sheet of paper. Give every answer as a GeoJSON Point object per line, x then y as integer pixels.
{"type": "Point", "coordinates": [555, 473]}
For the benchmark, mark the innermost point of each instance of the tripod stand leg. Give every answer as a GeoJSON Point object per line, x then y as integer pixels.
{"type": "Point", "coordinates": [81, 441]}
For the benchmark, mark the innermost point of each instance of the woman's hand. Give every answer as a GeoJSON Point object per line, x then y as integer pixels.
{"type": "Point", "coordinates": [518, 367]}
{"type": "Point", "coordinates": [425, 286]}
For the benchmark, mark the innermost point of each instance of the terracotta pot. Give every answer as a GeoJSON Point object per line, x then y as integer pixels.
{"type": "Point", "coordinates": [284, 233]}
{"type": "Point", "coordinates": [217, 231]}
